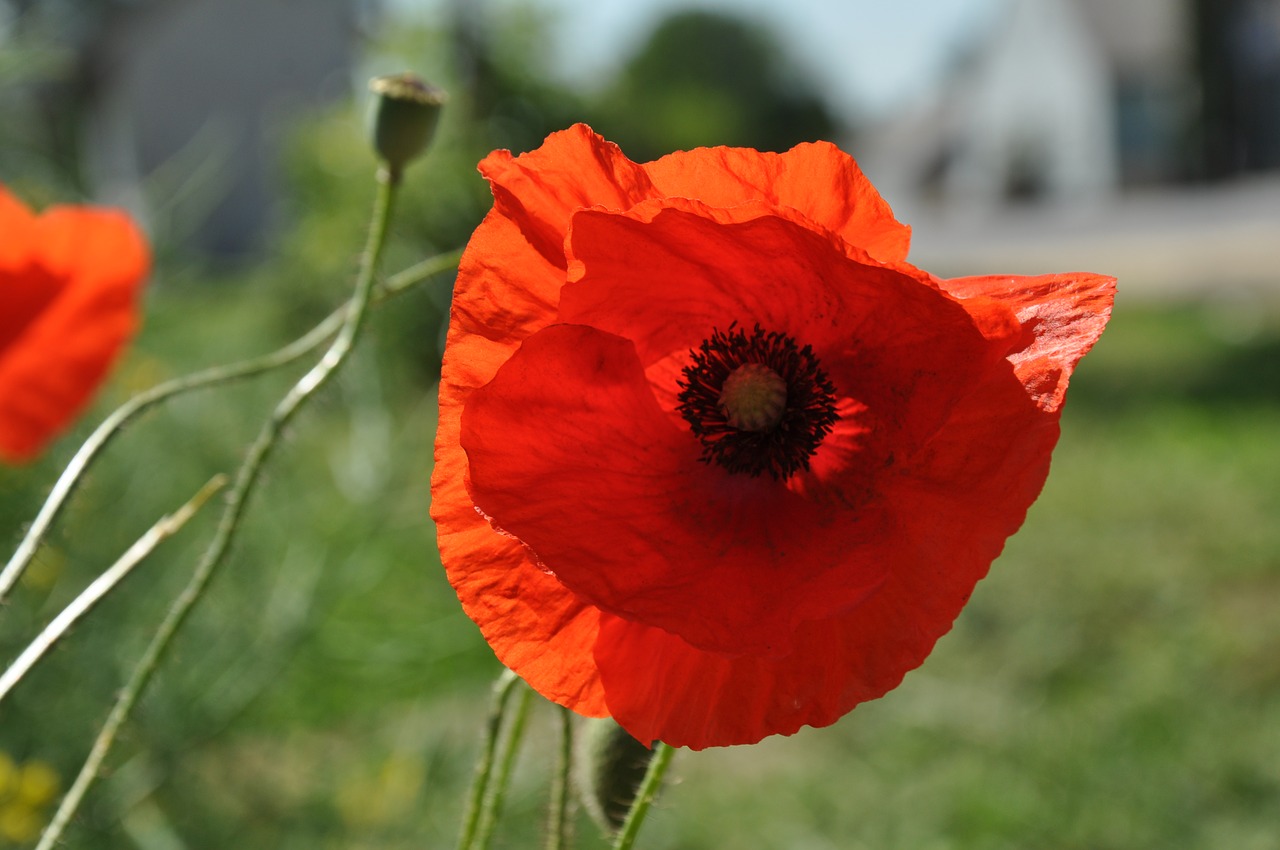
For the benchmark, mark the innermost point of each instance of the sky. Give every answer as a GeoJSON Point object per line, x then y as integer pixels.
{"type": "Point", "coordinates": [867, 55]}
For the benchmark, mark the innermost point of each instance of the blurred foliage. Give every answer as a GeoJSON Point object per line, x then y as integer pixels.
{"type": "Point", "coordinates": [26, 793]}
{"type": "Point", "coordinates": [1112, 685]}
{"type": "Point", "coordinates": [28, 162]}
{"type": "Point", "coordinates": [707, 78]}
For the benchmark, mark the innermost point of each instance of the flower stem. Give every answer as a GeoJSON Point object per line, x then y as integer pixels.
{"type": "Point", "coordinates": [502, 690]}
{"type": "Point", "coordinates": [127, 412]}
{"type": "Point", "coordinates": [558, 823]}
{"type": "Point", "coordinates": [644, 799]}
{"type": "Point", "coordinates": [165, 527]}
{"type": "Point", "coordinates": [407, 279]}
{"type": "Point", "coordinates": [237, 498]}
{"type": "Point", "coordinates": [511, 746]}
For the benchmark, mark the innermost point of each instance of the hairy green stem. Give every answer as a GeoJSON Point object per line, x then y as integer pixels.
{"type": "Point", "coordinates": [502, 690]}
{"type": "Point", "coordinates": [644, 799]}
{"type": "Point", "coordinates": [511, 746]}
{"type": "Point", "coordinates": [237, 498]}
{"type": "Point", "coordinates": [558, 822]}
{"type": "Point", "coordinates": [123, 415]}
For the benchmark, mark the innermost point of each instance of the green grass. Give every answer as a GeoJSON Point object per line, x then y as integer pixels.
{"type": "Point", "coordinates": [1113, 684]}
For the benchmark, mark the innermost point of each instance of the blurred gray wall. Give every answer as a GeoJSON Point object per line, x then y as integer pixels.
{"type": "Point", "coordinates": [190, 100]}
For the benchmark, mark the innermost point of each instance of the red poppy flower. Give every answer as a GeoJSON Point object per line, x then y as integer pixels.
{"type": "Point", "coordinates": [715, 460]}
{"type": "Point", "coordinates": [69, 281]}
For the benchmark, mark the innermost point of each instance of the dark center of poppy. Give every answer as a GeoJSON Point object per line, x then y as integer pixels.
{"type": "Point", "coordinates": [753, 397]}
{"type": "Point", "coordinates": [757, 402]}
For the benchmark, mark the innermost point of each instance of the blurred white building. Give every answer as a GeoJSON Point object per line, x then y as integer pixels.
{"type": "Point", "coordinates": [1032, 111]}
{"type": "Point", "coordinates": [1016, 159]}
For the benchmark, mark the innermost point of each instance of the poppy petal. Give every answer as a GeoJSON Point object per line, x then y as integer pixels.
{"type": "Point", "coordinates": [818, 179]}
{"type": "Point", "coordinates": [94, 262]}
{"type": "Point", "coordinates": [533, 625]}
{"type": "Point", "coordinates": [1063, 314]}
{"type": "Point", "coordinates": [574, 168]}
{"type": "Point", "coordinates": [25, 288]}
{"type": "Point", "coordinates": [552, 422]}
{"type": "Point", "coordinates": [505, 291]}
{"type": "Point", "coordinates": [666, 273]}
{"type": "Point", "coordinates": [956, 508]}
{"type": "Point", "coordinates": [16, 223]}
{"type": "Point", "coordinates": [662, 689]}
{"type": "Point", "coordinates": [930, 343]}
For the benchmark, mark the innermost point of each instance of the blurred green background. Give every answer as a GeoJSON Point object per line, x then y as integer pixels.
{"type": "Point", "coordinates": [1114, 683]}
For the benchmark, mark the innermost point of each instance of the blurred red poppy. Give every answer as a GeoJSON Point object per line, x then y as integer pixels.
{"type": "Point", "coordinates": [715, 460]}
{"type": "Point", "coordinates": [69, 282]}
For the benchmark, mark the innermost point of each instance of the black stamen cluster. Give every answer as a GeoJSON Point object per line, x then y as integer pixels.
{"type": "Point", "coordinates": [781, 450]}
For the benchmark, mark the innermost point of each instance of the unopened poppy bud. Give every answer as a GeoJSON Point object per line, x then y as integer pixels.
{"type": "Point", "coordinates": [405, 116]}
{"type": "Point", "coordinates": [613, 765]}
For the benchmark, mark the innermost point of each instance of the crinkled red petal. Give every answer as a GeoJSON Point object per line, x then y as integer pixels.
{"type": "Point", "coordinates": [574, 168]}
{"type": "Point", "coordinates": [578, 169]}
{"type": "Point", "coordinates": [73, 275]}
{"type": "Point", "coordinates": [818, 180]}
{"type": "Point", "coordinates": [504, 292]}
{"type": "Point", "coordinates": [507, 288]}
{"type": "Point", "coordinates": [1062, 314]}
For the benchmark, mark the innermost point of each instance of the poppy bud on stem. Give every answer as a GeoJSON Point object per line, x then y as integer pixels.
{"type": "Point", "coordinates": [612, 769]}
{"type": "Point", "coordinates": [405, 115]}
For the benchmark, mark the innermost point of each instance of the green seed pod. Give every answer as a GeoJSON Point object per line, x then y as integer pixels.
{"type": "Point", "coordinates": [405, 114]}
